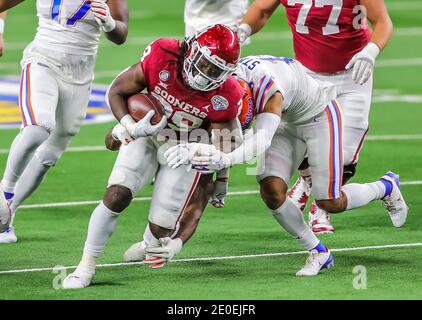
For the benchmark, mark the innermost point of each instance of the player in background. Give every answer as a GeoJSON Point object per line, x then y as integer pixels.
{"type": "Point", "coordinates": [57, 73]}
{"type": "Point", "coordinates": [295, 115]}
{"type": "Point", "coordinates": [332, 40]}
{"type": "Point", "coordinates": [202, 13]}
{"type": "Point", "coordinates": [2, 24]}
{"type": "Point", "coordinates": [192, 79]}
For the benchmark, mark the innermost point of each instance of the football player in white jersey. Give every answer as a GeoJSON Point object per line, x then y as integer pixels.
{"type": "Point", "coordinates": [2, 22]}
{"type": "Point", "coordinates": [202, 13]}
{"type": "Point", "coordinates": [295, 115]}
{"type": "Point", "coordinates": [57, 73]}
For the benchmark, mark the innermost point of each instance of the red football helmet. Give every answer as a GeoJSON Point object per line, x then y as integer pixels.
{"type": "Point", "coordinates": [211, 58]}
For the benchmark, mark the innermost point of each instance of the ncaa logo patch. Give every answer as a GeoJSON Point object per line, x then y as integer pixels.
{"type": "Point", "coordinates": [164, 75]}
{"type": "Point", "coordinates": [219, 103]}
{"type": "Point", "coordinates": [10, 113]}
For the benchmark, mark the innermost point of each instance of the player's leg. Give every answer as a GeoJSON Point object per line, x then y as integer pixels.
{"type": "Point", "coordinates": [135, 166]}
{"type": "Point", "coordinates": [38, 97]}
{"type": "Point", "coordinates": [173, 188]}
{"type": "Point", "coordinates": [326, 160]}
{"type": "Point", "coordinates": [188, 222]}
{"type": "Point", "coordinates": [281, 159]}
{"type": "Point", "coordinates": [70, 113]}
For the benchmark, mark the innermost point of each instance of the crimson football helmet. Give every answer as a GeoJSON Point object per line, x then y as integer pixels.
{"type": "Point", "coordinates": [211, 58]}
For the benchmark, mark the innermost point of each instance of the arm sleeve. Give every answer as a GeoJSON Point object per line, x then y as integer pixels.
{"type": "Point", "coordinates": [265, 128]}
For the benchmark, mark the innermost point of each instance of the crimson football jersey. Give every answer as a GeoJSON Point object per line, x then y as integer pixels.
{"type": "Point", "coordinates": [326, 33]}
{"type": "Point", "coordinates": [185, 107]}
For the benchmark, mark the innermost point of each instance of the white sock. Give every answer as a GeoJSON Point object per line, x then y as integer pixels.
{"type": "Point", "coordinates": [359, 195]}
{"type": "Point", "coordinates": [21, 152]}
{"type": "Point", "coordinates": [101, 226]}
{"type": "Point", "coordinates": [29, 181]}
{"type": "Point", "coordinates": [148, 235]}
{"type": "Point", "coordinates": [86, 265]}
{"type": "Point", "coordinates": [290, 218]}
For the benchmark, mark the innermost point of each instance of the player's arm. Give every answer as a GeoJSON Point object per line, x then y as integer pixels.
{"type": "Point", "coordinates": [256, 17]}
{"type": "Point", "coordinates": [2, 22]}
{"type": "Point", "coordinates": [363, 61]}
{"type": "Point", "coordinates": [7, 4]}
{"type": "Point", "coordinates": [113, 17]}
{"type": "Point", "coordinates": [128, 83]}
{"type": "Point", "coordinates": [382, 25]}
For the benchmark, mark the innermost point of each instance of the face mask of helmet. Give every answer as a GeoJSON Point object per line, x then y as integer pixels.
{"type": "Point", "coordinates": [205, 72]}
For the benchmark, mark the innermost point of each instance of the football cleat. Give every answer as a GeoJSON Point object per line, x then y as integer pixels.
{"type": "Point", "coordinates": [154, 262]}
{"type": "Point", "coordinates": [77, 280]}
{"type": "Point", "coordinates": [394, 201]}
{"type": "Point", "coordinates": [319, 220]}
{"type": "Point", "coordinates": [300, 192]}
{"type": "Point", "coordinates": [315, 262]}
{"type": "Point", "coordinates": [5, 212]}
{"type": "Point", "coordinates": [136, 252]}
{"type": "Point", "coordinates": [8, 236]}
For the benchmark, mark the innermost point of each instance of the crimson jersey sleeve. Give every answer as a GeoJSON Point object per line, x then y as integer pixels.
{"type": "Point", "coordinates": [227, 102]}
{"type": "Point", "coordinates": [155, 55]}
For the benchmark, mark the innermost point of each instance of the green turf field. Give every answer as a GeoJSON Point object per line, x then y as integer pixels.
{"type": "Point", "coordinates": [55, 236]}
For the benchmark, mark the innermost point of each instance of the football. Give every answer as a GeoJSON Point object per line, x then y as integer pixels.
{"type": "Point", "coordinates": [141, 103]}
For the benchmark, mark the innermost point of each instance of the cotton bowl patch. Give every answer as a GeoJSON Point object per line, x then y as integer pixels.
{"type": "Point", "coordinates": [219, 103]}
{"type": "Point", "coordinates": [10, 115]}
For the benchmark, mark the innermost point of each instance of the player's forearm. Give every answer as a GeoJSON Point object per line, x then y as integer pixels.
{"type": "Point", "coordinates": [119, 34]}
{"type": "Point", "coordinates": [265, 129]}
{"type": "Point", "coordinates": [7, 4]}
{"type": "Point", "coordinates": [259, 13]}
{"type": "Point", "coordinates": [383, 30]}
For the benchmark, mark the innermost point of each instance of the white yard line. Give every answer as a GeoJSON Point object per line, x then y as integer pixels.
{"type": "Point", "coordinates": [249, 256]}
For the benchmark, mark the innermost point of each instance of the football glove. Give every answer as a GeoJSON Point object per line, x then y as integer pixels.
{"type": "Point", "coordinates": [168, 249]}
{"type": "Point", "coordinates": [121, 134]}
{"type": "Point", "coordinates": [101, 12]}
{"type": "Point", "coordinates": [211, 158]}
{"type": "Point", "coordinates": [244, 31]}
{"type": "Point", "coordinates": [363, 63]}
{"type": "Point", "coordinates": [143, 128]}
{"type": "Point", "coordinates": [219, 193]}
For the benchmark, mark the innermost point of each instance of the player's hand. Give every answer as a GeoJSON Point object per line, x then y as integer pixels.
{"type": "Point", "coordinates": [181, 154]}
{"type": "Point", "coordinates": [363, 63]}
{"type": "Point", "coordinates": [121, 134]}
{"type": "Point", "coordinates": [102, 14]}
{"type": "Point", "coordinates": [244, 31]}
{"type": "Point", "coordinates": [219, 192]}
{"type": "Point", "coordinates": [210, 159]}
{"type": "Point", "coordinates": [168, 249]}
{"type": "Point", "coordinates": [143, 128]}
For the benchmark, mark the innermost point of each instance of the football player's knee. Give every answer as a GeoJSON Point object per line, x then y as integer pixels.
{"type": "Point", "coordinates": [36, 134]}
{"type": "Point", "coordinates": [48, 156]}
{"type": "Point", "coordinates": [117, 198]}
{"type": "Point", "coordinates": [333, 205]}
{"type": "Point", "coordinates": [348, 172]}
{"type": "Point", "coordinates": [273, 195]}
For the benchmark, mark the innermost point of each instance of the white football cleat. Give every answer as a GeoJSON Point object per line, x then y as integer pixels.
{"type": "Point", "coordinates": [319, 220]}
{"type": "Point", "coordinates": [315, 263]}
{"type": "Point", "coordinates": [394, 202]}
{"type": "Point", "coordinates": [8, 236]}
{"type": "Point", "coordinates": [136, 252]}
{"type": "Point", "coordinates": [77, 280]}
{"type": "Point", "coordinates": [300, 192]}
{"type": "Point", "coordinates": [5, 212]}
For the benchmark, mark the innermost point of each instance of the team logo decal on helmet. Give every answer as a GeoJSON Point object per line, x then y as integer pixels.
{"type": "Point", "coordinates": [211, 58]}
{"type": "Point", "coordinates": [219, 103]}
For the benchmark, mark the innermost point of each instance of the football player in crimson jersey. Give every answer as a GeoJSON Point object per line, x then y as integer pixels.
{"type": "Point", "coordinates": [332, 40]}
{"type": "Point", "coordinates": [192, 79]}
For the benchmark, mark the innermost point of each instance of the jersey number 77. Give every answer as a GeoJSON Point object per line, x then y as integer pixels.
{"type": "Point", "coordinates": [79, 14]}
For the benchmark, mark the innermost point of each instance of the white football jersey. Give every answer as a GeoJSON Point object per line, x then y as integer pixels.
{"type": "Point", "coordinates": [67, 26]}
{"type": "Point", "coordinates": [202, 13]}
{"type": "Point", "coordinates": [304, 97]}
